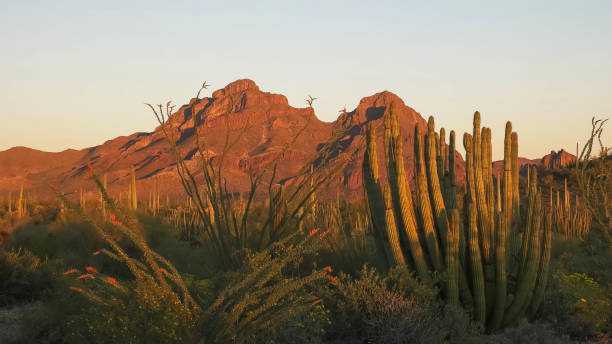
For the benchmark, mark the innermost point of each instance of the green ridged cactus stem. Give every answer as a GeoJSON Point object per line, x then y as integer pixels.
{"type": "Point", "coordinates": [424, 203]}
{"type": "Point", "coordinates": [20, 210]}
{"type": "Point", "coordinates": [528, 276]}
{"type": "Point", "coordinates": [433, 179]}
{"type": "Point", "coordinates": [515, 169]}
{"type": "Point", "coordinates": [478, 283]}
{"type": "Point", "coordinates": [452, 259]}
{"type": "Point", "coordinates": [392, 232]}
{"type": "Point", "coordinates": [401, 190]}
{"type": "Point", "coordinates": [373, 192]}
{"type": "Point", "coordinates": [443, 164]}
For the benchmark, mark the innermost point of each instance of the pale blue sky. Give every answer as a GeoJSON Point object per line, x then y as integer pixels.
{"type": "Point", "coordinates": [75, 73]}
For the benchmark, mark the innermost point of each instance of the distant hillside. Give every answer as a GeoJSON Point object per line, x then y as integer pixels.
{"type": "Point", "coordinates": [272, 123]}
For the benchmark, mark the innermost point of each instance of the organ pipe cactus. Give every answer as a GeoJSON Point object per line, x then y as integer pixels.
{"type": "Point", "coordinates": [495, 279]}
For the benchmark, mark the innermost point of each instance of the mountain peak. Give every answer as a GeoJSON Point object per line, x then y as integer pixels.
{"type": "Point", "coordinates": [236, 87]}
{"type": "Point", "coordinates": [373, 108]}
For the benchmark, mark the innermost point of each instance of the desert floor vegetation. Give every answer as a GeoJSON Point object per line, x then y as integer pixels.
{"type": "Point", "coordinates": [513, 258]}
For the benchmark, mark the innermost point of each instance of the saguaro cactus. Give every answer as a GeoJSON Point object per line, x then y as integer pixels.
{"type": "Point", "coordinates": [20, 206]}
{"type": "Point", "coordinates": [102, 203]}
{"type": "Point", "coordinates": [431, 227]}
{"type": "Point", "coordinates": [10, 204]}
{"type": "Point", "coordinates": [133, 194]}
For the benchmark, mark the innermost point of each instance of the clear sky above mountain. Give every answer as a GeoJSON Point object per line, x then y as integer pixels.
{"type": "Point", "coordinates": [75, 73]}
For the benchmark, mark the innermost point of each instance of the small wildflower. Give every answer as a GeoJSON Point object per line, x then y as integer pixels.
{"type": "Point", "coordinates": [112, 216]}
{"type": "Point", "coordinates": [111, 281]}
{"type": "Point", "coordinates": [314, 231]}
{"type": "Point", "coordinates": [583, 300]}
{"type": "Point", "coordinates": [91, 269]}
{"type": "Point", "coordinates": [77, 289]}
{"type": "Point", "coordinates": [328, 268]}
{"type": "Point", "coordinates": [71, 271]}
{"type": "Point", "coordinates": [333, 279]}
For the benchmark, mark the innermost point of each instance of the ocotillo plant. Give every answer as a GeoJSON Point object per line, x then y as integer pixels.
{"type": "Point", "coordinates": [480, 276]}
{"type": "Point", "coordinates": [227, 226]}
{"type": "Point", "coordinates": [594, 179]}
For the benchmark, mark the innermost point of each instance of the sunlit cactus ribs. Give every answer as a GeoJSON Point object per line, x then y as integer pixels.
{"type": "Point", "coordinates": [492, 256]}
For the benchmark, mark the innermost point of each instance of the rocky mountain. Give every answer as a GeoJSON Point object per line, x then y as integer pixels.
{"type": "Point", "coordinates": [549, 161]}
{"type": "Point", "coordinates": [260, 123]}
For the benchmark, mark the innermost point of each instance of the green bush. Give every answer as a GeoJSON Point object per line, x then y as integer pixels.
{"type": "Point", "coordinates": [528, 333]}
{"type": "Point", "coordinates": [393, 309]}
{"type": "Point", "coordinates": [145, 314]}
{"type": "Point", "coordinates": [24, 277]}
{"type": "Point", "coordinates": [580, 305]}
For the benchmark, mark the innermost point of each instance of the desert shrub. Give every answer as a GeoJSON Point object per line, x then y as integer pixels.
{"type": "Point", "coordinates": [72, 245]}
{"type": "Point", "coordinates": [268, 297]}
{"type": "Point", "coordinates": [591, 257]}
{"type": "Point", "coordinates": [24, 277]}
{"type": "Point", "coordinates": [393, 309]}
{"type": "Point", "coordinates": [580, 305]}
{"type": "Point", "coordinates": [185, 256]}
{"type": "Point", "coordinates": [144, 313]}
{"type": "Point", "coordinates": [528, 333]}
{"type": "Point", "coordinates": [350, 243]}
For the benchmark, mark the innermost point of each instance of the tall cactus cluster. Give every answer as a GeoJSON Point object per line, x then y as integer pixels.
{"type": "Point", "coordinates": [490, 257]}
{"type": "Point", "coordinates": [571, 221]}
